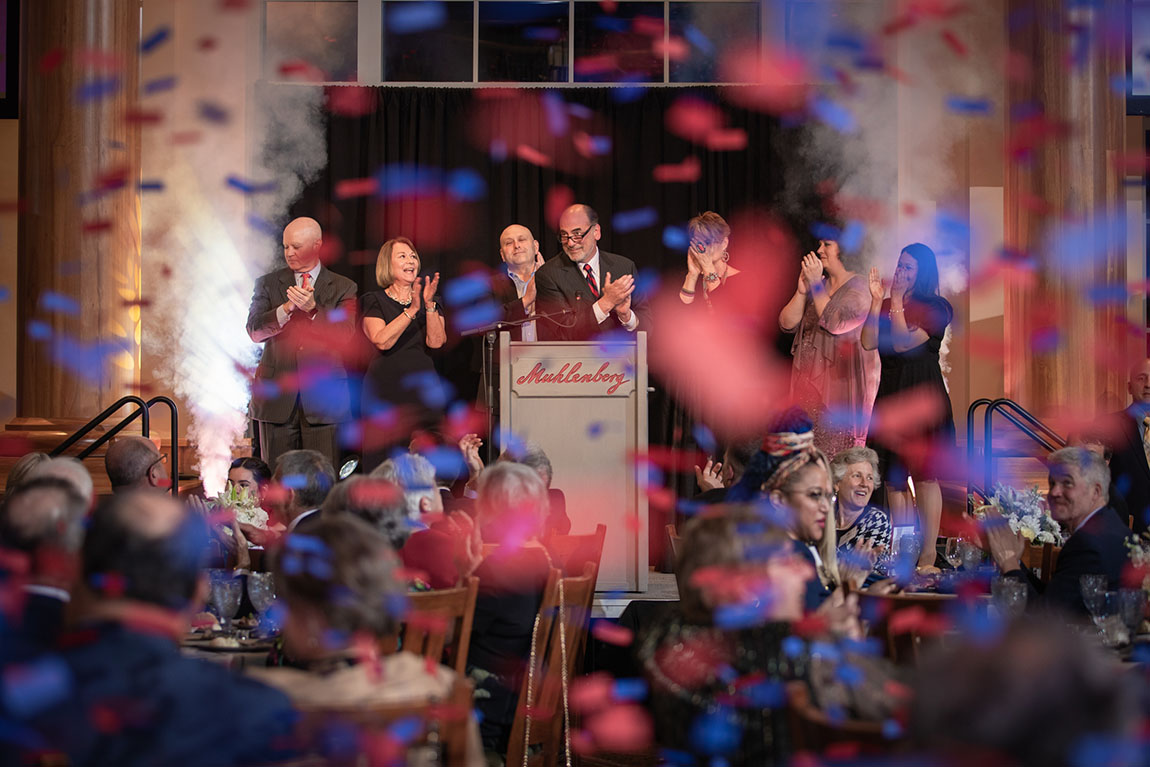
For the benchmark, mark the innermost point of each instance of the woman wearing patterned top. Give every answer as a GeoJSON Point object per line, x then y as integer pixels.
{"type": "Point", "coordinates": [854, 473]}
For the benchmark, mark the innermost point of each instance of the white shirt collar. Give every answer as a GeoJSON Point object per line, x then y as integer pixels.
{"type": "Point", "coordinates": [314, 272]}
{"type": "Point", "coordinates": [594, 262]}
{"type": "Point", "coordinates": [1088, 516]}
{"type": "Point", "coordinates": [295, 522]}
{"type": "Point", "coordinates": [47, 591]}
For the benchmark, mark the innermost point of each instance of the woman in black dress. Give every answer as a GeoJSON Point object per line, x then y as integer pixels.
{"type": "Point", "coordinates": [401, 390]}
{"type": "Point", "coordinates": [907, 329]}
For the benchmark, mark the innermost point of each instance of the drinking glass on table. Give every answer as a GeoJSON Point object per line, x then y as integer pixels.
{"type": "Point", "coordinates": [953, 551]}
{"type": "Point", "coordinates": [1109, 620]}
{"type": "Point", "coordinates": [226, 592]}
{"type": "Point", "coordinates": [1009, 597]}
{"type": "Point", "coordinates": [1132, 608]}
{"type": "Point", "coordinates": [1093, 589]}
{"type": "Point", "coordinates": [261, 592]}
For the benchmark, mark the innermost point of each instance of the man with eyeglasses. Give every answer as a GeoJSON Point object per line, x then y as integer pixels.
{"type": "Point", "coordinates": [135, 463]}
{"type": "Point", "coordinates": [598, 286]}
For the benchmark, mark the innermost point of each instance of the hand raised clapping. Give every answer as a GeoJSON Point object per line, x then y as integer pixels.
{"type": "Point", "coordinates": [877, 290]}
{"type": "Point", "coordinates": [430, 285]}
{"type": "Point", "coordinates": [618, 291]}
{"type": "Point", "coordinates": [302, 298]}
{"type": "Point", "coordinates": [812, 270]}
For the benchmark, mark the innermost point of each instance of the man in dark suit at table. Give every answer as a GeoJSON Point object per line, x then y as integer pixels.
{"type": "Point", "coordinates": [598, 286]}
{"type": "Point", "coordinates": [126, 695]}
{"type": "Point", "coordinates": [1079, 488]}
{"type": "Point", "coordinates": [304, 314]}
{"type": "Point", "coordinates": [1126, 434]}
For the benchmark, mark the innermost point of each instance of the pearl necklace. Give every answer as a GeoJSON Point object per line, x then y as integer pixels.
{"type": "Point", "coordinates": [397, 300]}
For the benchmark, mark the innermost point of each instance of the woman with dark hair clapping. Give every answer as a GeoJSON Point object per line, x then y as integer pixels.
{"type": "Point", "coordinates": [908, 329]}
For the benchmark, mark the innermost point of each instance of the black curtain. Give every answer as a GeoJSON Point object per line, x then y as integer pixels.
{"type": "Point", "coordinates": [455, 166]}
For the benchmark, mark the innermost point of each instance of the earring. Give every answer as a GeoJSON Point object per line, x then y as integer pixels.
{"type": "Point", "coordinates": [726, 256]}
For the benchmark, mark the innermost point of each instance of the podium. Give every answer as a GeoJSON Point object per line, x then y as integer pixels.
{"type": "Point", "coordinates": [585, 404]}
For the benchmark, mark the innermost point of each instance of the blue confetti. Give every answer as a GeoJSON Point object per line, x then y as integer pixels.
{"type": "Point", "coordinates": [479, 316]}
{"type": "Point", "coordinates": [213, 113]}
{"type": "Point", "coordinates": [705, 439]}
{"type": "Point", "coordinates": [433, 390]}
{"type": "Point", "coordinates": [31, 688]}
{"type": "Point", "coordinates": [498, 150]}
{"type": "Point", "coordinates": [846, 42]}
{"type": "Point", "coordinates": [94, 90]}
{"type": "Point", "coordinates": [849, 675]}
{"type": "Point", "coordinates": [319, 568]}
{"type": "Point", "coordinates": [766, 694]}
{"type": "Point", "coordinates": [833, 114]}
{"type": "Point", "coordinates": [466, 289]}
{"type": "Point", "coordinates": [466, 184]}
{"type": "Point", "coordinates": [580, 111]}
{"type": "Point", "coordinates": [715, 732]}
{"type": "Point", "coordinates": [600, 145]}
{"type": "Point", "coordinates": [406, 729]}
{"type": "Point", "coordinates": [699, 40]}
{"type": "Point", "coordinates": [595, 429]}
{"type": "Point", "coordinates": [823, 231]}
{"type": "Point", "coordinates": [629, 689]}
{"type": "Point", "coordinates": [646, 283]}
{"type": "Point", "coordinates": [151, 185]}
{"type": "Point", "coordinates": [542, 34]}
{"type": "Point", "coordinates": [612, 23]}
{"type": "Point", "coordinates": [448, 462]}
{"type": "Point", "coordinates": [627, 94]}
{"type": "Point", "coordinates": [969, 106]}
{"type": "Point", "coordinates": [733, 616]}
{"type": "Point", "coordinates": [294, 481]}
{"type": "Point", "coordinates": [262, 225]}
{"type": "Point", "coordinates": [407, 180]}
{"type": "Point", "coordinates": [59, 303]}
{"type": "Point", "coordinates": [158, 85]}
{"type": "Point", "coordinates": [251, 187]}
{"type": "Point", "coordinates": [338, 314]}
{"type": "Point", "coordinates": [675, 238]}
{"type": "Point", "coordinates": [554, 112]}
{"type": "Point", "coordinates": [891, 729]}
{"type": "Point", "coordinates": [631, 220]}
{"type": "Point", "coordinates": [1107, 294]}
{"type": "Point", "coordinates": [307, 544]}
{"type": "Point", "coordinates": [411, 17]}
{"type": "Point", "coordinates": [154, 40]}
{"type": "Point", "coordinates": [4, 293]}
{"type": "Point", "coordinates": [852, 237]}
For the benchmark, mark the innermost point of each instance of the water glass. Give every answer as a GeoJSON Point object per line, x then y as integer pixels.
{"type": "Point", "coordinates": [226, 592]}
{"type": "Point", "coordinates": [1093, 589]}
{"type": "Point", "coordinates": [970, 555]}
{"type": "Point", "coordinates": [953, 551]}
{"type": "Point", "coordinates": [1109, 621]}
{"type": "Point", "coordinates": [261, 591]}
{"type": "Point", "coordinates": [1132, 608]}
{"type": "Point", "coordinates": [1009, 597]}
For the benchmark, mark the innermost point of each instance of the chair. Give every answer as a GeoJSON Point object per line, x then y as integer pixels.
{"type": "Point", "coordinates": [395, 728]}
{"type": "Point", "coordinates": [812, 730]}
{"type": "Point", "coordinates": [905, 620]}
{"type": "Point", "coordinates": [1041, 559]}
{"type": "Point", "coordinates": [547, 678]}
{"type": "Point", "coordinates": [572, 553]}
{"type": "Point", "coordinates": [433, 618]}
{"type": "Point", "coordinates": [674, 539]}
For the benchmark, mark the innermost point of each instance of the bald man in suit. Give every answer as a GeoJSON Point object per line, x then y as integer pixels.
{"type": "Point", "coordinates": [304, 315]}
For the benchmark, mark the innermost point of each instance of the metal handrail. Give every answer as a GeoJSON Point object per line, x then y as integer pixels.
{"type": "Point", "coordinates": [140, 412]}
{"type": "Point", "coordinates": [1025, 422]}
{"type": "Point", "coordinates": [143, 412]}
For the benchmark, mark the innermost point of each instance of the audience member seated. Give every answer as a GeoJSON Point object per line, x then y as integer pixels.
{"type": "Point", "coordinates": [859, 527]}
{"type": "Point", "coordinates": [71, 470]}
{"type": "Point", "coordinates": [377, 502]}
{"type": "Point", "coordinates": [252, 475]}
{"type": "Point", "coordinates": [41, 526]}
{"type": "Point", "coordinates": [1095, 537]}
{"type": "Point", "coordinates": [1041, 695]}
{"type": "Point", "coordinates": [338, 582]}
{"type": "Point", "coordinates": [741, 585]}
{"type": "Point", "coordinates": [531, 455]}
{"type": "Point", "coordinates": [510, 509]}
{"type": "Point", "coordinates": [19, 471]}
{"type": "Point", "coordinates": [415, 475]}
{"type": "Point", "coordinates": [715, 478]}
{"type": "Point", "coordinates": [135, 463]}
{"type": "Point", "coordinates": [302, 479]}
{"type": "Point", "coordinates": [132, 698]}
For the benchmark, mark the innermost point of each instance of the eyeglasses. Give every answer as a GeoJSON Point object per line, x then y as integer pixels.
{"type": "Point", "coordinates": [162, 459]}
{"type": "Point", "coordinates": [575, 236]}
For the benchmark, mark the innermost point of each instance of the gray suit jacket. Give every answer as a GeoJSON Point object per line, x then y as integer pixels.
{"type": "Point", "coordinates": [314, 346]}
{"type": "Point", "coordinates": [561, 285]}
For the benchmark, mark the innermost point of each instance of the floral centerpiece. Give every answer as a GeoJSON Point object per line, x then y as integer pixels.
{"type": "Point", "coordinates": [1139, 553]}
{"type": "Point", "coordinates": [244, 505]}
{"type": "Point", "coordinates": [1024, 510]}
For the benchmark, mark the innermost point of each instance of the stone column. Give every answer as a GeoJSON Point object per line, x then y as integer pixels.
{"type": "Point", "coordinates": [79, 232]}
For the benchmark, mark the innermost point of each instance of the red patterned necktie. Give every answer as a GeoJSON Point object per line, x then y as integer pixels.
{"type": "Point", "coordinates": [591, 280]}
{"type": "Point", "coordinates": [304, 279]}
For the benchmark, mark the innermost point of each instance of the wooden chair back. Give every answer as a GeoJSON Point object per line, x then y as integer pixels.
{"type": "Point", "coordinates": [904, 621]}
{"type": "Point", "coordinates": [544, 682]}
{"type": "Point", "coordinates": [812, 730]}
{"type": "Point", "coordinates": [437, 621]}
{"type": "Point", "coordinates": [436, 724]}
{"type": "Point", "coordinates": [572, 553]}
{"type": "Point", "coordinates": [1041, 558]}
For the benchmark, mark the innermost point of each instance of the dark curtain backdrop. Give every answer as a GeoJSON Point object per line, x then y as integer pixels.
{"type": "Point", "coordinates": [453, 176]}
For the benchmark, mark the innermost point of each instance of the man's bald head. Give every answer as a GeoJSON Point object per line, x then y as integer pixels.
{"type": "Point", "coordinates": [43, 513]}
{"type": "Point", "coordinates": [134, 462]}
{"type": "Point", "coordinates": [144, 547]}
{"type": "Point", "coordinates": [302, 240]}
{"type": "Point", "coordinates": [1139, 383]}
{"type": "Point", "coordinates": [518, 248]}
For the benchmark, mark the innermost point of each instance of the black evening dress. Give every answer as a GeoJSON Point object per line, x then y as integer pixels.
{"type": "Point", "coordinates": [401, 390]}
{"type": "Point", "coordinates": [920, 450]}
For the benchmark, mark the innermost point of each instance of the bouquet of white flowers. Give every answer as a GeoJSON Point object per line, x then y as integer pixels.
{"type": "Point", "coordinates": [1025, 511]}
{"type": "Point", "coordinates": [244, 505]}
{"type": "Point", "coordinates": [1139, 549]}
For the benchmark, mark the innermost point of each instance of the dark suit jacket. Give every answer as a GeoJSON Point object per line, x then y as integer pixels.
{"type": "Point", "coordinates": [1129, 474]}
{"type": "Point", "coordinates": [314, 346]}
{"type": "Point", "coordinates": [135, 700]}
{"type": "Point", "coordinates": [560, 284]}
{"type": "Point", "coordinates": [506, 295]}
{"type": "Point", "coordinates": [1097, 548]}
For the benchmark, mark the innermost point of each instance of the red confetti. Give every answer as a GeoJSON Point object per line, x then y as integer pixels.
{"type": "Point", "coordinates": [13, 206]}
{"type": "Point", "coordinates": [674, 48]}
{"type": "Point", "coordinates": [952, 42]}
{"type": "Point", "coordinates": [533, 156]}
{"type": "Point", "coordinates": [559, 198]}
{"type": "Point", "coordinates": [14, 447]}
{"type": "Point", "coordinates": [185, 137]}
{"type": "Point", "coordinates": [143, 117]}
{"type": "Point", "coordinates": [95, 60]}
{"type": "Point", "coordinates": [596, 65]}
{"type": "Point", "coordinates": [51, 60]}
{"type": "Point", "coordinates": [591, 692]}
{"type": "Point", "coordinates": [350, 100]}
{"type": "Point", "coordinates": [729, 140]}
{"type": "Point", "coordinates": [302, 70]}
{"type": "Point", "coordinates": [96, 226]}
{"type": "Point", "coordinates": [207, 44]}
{"type": "Point", "coordinates": [779, 80]}
{"type": "Point", "coordinates": [355, 187]}
{"type": "Point", "coordinates": [623, 729]}
{"type": "Point", "coordinates": [900, 24]}
{"type": "Point", "coordinates": [686, 172]}
{"type": "Point", "coordinates": [648, 25]}
{"type": "Point", "coordinates": [693, 119]}
{"type": "Point", "coordinates": [612, 633]}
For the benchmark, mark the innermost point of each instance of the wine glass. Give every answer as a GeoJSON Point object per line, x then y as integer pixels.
{"type": "Point", "coordinates": [1093, 588]}
{"type": "Point", "coordinates": [226, 592]}
{"type": "Point", "coordinates": [970, 554]}
{"type": "Point", "coordinates": [953, 551]}
{"type": "Point", "coordinates": [261, 592]}
{"type": "Point", "coordinates": [1132, 608]}
{"type": "Point", "coordinates": [1009, 597]}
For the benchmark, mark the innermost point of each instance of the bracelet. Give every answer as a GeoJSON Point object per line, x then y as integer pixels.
{"type": "Point", "coordinates": [896, 311]}
{"type": "Point", "coordinates": [712, 277]}
{"type": "Point", "coordinates": [686, 292]}
{"type": "Point", "coordinates": [409, 317]}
